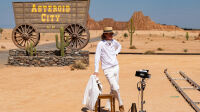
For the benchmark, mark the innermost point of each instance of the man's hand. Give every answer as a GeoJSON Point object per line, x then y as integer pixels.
{"type": "Point", "coordinates": [96, 73]}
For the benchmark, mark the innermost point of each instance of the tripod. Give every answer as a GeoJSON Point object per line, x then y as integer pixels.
{"type": "Point", "coordinates": [141, 86]}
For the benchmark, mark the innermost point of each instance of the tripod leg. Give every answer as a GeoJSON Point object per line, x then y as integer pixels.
{"type": "Point", "coordinates": [133, 107]}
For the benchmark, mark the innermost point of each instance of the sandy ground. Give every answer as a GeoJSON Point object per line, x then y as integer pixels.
{"type": "Point", "coordinates": [171, 42]}
{"type": "Point", "coordinates": [58, 89]}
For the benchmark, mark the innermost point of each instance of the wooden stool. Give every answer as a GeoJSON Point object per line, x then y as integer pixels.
{"type": "Point", "coordinates": [105, 96]}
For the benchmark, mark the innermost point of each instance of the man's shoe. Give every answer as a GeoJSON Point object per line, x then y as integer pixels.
{"type": "Point", "coordinates": [121, 108]}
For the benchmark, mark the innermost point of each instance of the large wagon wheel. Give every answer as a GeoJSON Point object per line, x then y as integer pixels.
{"type": "Point", "coordinates": [78, 36]}
{"type": "Point", "coordinates": [25, 34]}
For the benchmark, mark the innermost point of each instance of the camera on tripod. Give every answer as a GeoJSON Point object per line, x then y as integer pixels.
{"type": "Point", "coordinates": [143, 74]}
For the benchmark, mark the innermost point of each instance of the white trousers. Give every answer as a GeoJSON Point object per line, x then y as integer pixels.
{"type": "Point", "coordinates": [112, 75]}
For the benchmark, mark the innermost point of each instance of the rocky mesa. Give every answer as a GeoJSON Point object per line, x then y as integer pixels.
{"type": "Point", "coordinates": [141, 22]}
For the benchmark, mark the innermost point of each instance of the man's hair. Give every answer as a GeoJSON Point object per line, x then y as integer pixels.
{"type": "Point", "coordinates": [103, 37]}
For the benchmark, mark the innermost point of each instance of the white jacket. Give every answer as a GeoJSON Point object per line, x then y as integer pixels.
{"type": "Point", "coordinates": [92, 92]}
{"type": "Point", "coordinates": [106, 52]}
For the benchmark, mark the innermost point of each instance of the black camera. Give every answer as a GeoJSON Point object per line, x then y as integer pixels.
{"type": "Point", "coordinates": [143, 73]}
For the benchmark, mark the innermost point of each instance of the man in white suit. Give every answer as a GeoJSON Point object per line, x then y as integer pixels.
{"type": "Point", "coordinates": [106, 52]}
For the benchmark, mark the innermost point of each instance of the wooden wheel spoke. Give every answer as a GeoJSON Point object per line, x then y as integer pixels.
{"type": "Point", "coordinates": [73, 43]}
{"type": "Point", "coordinates": [84, 40]}
{"type": "Point", "coordinates": [76, 43]}
{"type": "Point", "coordinates": [25, 43]}
{"type": "Point", "coordinates": [70, 43]}
{"type": "Point", "coordinates": [78, 28]}
{"type": "Point", "coordinates": [69, 38]}
{"type": "Point", "coordinates": [71, 28]}
{"type": "Point", "coordinates": [18, 36]}
{"type": "Point", "coordinates": [22, 29]}
{"type": "Point", "coordinates": [82, 35]}
{"type": "Point", "coordinates": [81, 31]}
{"type": "Point", "coordinates": [79, 42]}
{"type": "Point", "coordinates": [18, 32]}
{"type": "Point", "coordinates": [21, 43]}
{"type": "Point", "coordinates": [25, 28]}
{"type": "Point", "coordinates": [69, 31]}
{"type": "Point", "coordinates": [32, 40]}
{"type": "Point", "coordinates": [19, 39]}
{"type": "Point", "coordinates": [33, 37]}
{"type": "Point", "coordinates": [74, 28]}
{"type": "Point", "coordinates": [28, 28]}
{"type": "Point", "coordinates": [18, 29]}
{"type": "Point", "coordinates": [30, 31]}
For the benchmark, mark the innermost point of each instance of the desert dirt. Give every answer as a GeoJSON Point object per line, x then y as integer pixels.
{"type": "Point", "coordinates": [58, 89]}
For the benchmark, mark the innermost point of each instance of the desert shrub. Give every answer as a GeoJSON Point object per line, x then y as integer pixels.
{"type": "Point", "coordinates": [187, 36]}
{"type": "Point", "coordinates": [79, 65]}
{"type": "Point", "coordinates": [163, 34]}
{"type": "Point", "coordinates": [125, 35]}
{"type": "Point", "coordinates": [160, 49]}
{"type": "Point", "coordinates": [149, 52]}
{"type": "Point", "coordinates": [173, 37]}
{"type": "Point", "coordinates": [3, 47]}
{"type": "Point", "coordinates": [185, 50]}
{"type": "Point", "coordinates": [1, 30]}
{"type": "Point", "coordinates": [183, 41]}
{"type": "Point", "coordinates": [132, 47]}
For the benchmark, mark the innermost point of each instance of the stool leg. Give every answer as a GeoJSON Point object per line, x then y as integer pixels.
{"type": "Point", "coordinates": [114, 104]}
{"type": "Point", "coordinates": [111, 104]}
{"type": "Point", "coordinates": [99, 102]}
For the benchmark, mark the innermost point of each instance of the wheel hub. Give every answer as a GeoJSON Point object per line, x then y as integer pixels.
{"type": "Point", "coordinates": [25, 36]}
{"type": "Point", "coordinates": [74, 35]}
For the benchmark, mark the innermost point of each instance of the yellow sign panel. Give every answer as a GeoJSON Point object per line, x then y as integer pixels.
{"type": "Point", "coordinates": [44, 9]}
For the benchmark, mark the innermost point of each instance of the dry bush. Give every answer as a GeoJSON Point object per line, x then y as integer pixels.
{"type": "Point", "coordinates": [149, 52]}
{"type": "Point", "coordinates": [125, 35]}
{"type": "Point", "coordinates": [173, 37]}
{"type": "Point", "coordinates": [132, 47]}
{"type": "Point", "coordinates": [79, 65]}
{"type": "Point", "coordinates": [3, 47]}
{"type": "Point", "coordinates": [160, 49]}
{"type": "Point", "coordinates": [183, 41]}
{"type": "Point", "coordinates": [93, 45]}
{"type": "Point", "coordinates": [185, 50]}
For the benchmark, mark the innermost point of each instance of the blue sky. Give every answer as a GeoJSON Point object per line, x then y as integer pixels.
{"type": "Point", "coordinates": [183, 13]}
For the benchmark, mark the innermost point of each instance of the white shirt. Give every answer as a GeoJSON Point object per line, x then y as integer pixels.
{"type": "Point", "coordinates": [92, 91]}
{"type": "Point", "coordinates": [107, 51]}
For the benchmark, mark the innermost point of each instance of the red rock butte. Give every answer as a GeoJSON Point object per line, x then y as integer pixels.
{"type": "Point", "coordinates": [140, 21]}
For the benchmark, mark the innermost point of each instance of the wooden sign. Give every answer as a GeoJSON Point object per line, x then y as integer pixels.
{"type": "Point", "coordinates": [49, 16]}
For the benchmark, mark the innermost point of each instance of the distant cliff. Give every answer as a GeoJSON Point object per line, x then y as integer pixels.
{"type": "Point", "coordinates": [141, 22]}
